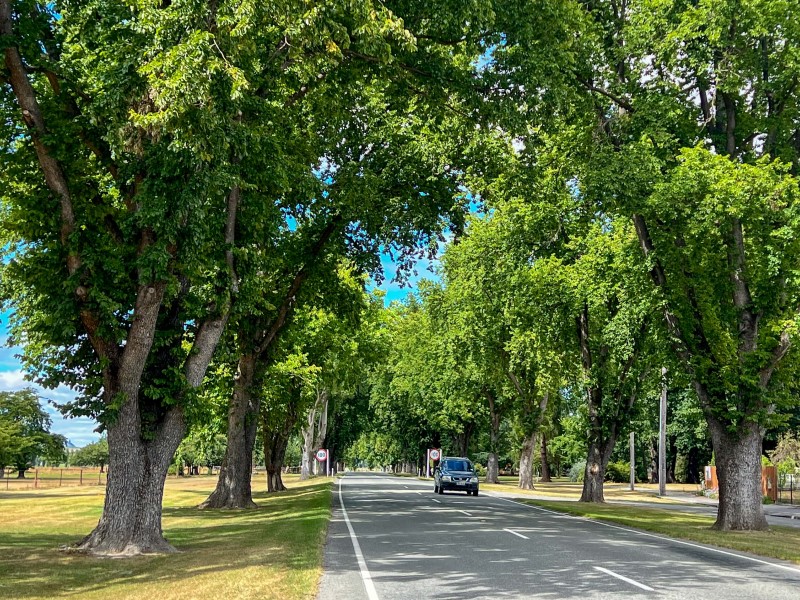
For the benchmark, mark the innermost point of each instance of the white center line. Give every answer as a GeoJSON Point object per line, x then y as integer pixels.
{"type": "Point", "coordinates": [465, 512]}
{"type": "Point", "coordinates": [646, 588]}
{"type": "Point", "coordinates": [511, 531]}
{"type": "Point", "coordinates": [362, 564]}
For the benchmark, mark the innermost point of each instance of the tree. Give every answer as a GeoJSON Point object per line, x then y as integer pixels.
{"type": "Point", "coordinates": [682, 119]}
{"type": "Point", "coordinates": [122, 189]}
{"type": "Point", "coordinates": [92, 455]}
{"type": "Point", "coordinates": [25, 432]}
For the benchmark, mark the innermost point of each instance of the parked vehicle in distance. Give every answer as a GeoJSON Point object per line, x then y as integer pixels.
{"type": "Point", "coordinates": [455, 473]}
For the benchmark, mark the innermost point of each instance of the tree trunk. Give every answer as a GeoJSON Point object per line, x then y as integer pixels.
{"type": "Point", "coordinates": [653, 461]}
{"type": "Point", "coordinates": [493, 464]}
{"type": "Point", "coordinates": [595, 474]}
{"type": "Point", "coordinates": [321, 428]}
{"type": "Point", "coordinates": [131, 521]}
{"type": "Point", "coordinates": [274, 462]}
{"type": "Point", "coordinates": [738, 457]}
{"type": "Point", "coordinates": [234, 484]}
{"type": "Point", "coordinates": [693, 466]}
{"type": "Point", "coordinates": [526, 462]}
{"type": "Point", "coordinates": [672, 458]}
{"type": "Point", "coordinates": [275, 443]}
{"type": "Point", "coordinates": [21, 473]}
{"type": "Point", "coordinates": [545, 466]}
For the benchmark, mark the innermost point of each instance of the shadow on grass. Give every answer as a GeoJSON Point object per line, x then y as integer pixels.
{"type": "Point", "coordinates": [285, 533]}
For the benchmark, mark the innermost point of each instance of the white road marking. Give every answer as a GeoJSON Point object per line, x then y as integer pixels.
{"type": "Point", "coordinates": [653, 535]}
{"type": "Point", "coordinates": [435, 500]}
{"type": "Point", "coordinates": [646, 588]}
{"type": "Point", "coordinates": [511, 531]}
{"type": "Point", "coordinates": [465, 512]}
{"type": "Point", "coordinates": [362, 564]}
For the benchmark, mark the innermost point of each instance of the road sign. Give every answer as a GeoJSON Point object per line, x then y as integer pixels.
{"type": "Point", "coordinates": [434, 454]}
{"type": "Point", "coordinates": [322, 455]}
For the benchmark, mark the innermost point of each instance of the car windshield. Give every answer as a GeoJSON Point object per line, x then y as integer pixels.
{"type": "Point", "coordinates": [457, 465]}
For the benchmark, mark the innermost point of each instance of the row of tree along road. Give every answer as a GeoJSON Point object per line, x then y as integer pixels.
{"type": "Point", "coordinates": [193, 197]}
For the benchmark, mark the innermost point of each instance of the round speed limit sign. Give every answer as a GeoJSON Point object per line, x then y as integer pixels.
{"type": "Point", "coordinates": [322, 454]}
{"type": "Point", "coordinates": [434, 454]}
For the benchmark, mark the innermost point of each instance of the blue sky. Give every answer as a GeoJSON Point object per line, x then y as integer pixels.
{"type": "Point", "coordinates": [80, 430]}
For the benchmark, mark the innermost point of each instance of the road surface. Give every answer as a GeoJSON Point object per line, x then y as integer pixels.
{"type": "Point", "coordinates": [393, 538]}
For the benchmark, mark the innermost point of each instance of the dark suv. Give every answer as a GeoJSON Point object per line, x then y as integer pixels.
{"type": "Point", "coordinates": [455, 474]}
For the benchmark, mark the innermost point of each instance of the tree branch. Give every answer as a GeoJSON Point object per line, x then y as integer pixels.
{"type": "Point", "coordinates": [621, 102]}
{"type": "Point", "coordinates": [269, 335]}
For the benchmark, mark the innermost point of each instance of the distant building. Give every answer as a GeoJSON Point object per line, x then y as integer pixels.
{"type": "Point", "coordinates": [71, 448]}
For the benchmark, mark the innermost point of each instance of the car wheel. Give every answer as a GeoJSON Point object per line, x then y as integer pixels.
{"type": "Point", "coordinates": [441, 490]}
{"type": "Point", "coordinates": [475, 493]}
{"type": "Point", "coordinates": [435, 489]}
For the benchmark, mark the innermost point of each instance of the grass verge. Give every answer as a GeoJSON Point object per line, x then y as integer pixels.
{"type": "Point", "coordinates": [780, 542]}
{"type": "Point", "coordinates": [274, 551]}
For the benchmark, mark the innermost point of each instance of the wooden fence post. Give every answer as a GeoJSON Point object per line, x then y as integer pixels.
{"type": "Point", "coordinates": [61, 478]}
{"type": "Point", "coordinates": [81, 480]}
{"type": "Point", "coordinates": [36, 478]}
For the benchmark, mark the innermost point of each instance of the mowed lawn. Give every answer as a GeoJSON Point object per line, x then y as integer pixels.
{"type": "Point", "coordinates": [274, 551]}
{"type": "Point", "coordinates": [779, 542]}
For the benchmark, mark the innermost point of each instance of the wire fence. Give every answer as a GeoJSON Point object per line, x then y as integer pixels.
{"type": "Point", "coordinates": [53, 477]}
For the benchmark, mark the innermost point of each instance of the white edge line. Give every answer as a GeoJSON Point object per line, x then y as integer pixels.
{"type": "Point", "coordinates": [658, 537]}
{"type": "Point", "coordinates": [511, 531]}
{"type": "Point", "coordinates": [362, 564]}
{"type": "Point", "coordinates": [646, 588]}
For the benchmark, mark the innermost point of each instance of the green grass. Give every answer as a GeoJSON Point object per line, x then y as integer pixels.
{"type": "Point", "coordinates": [780, 542]}
{"type": "Point", "coordinates": [274, 551]}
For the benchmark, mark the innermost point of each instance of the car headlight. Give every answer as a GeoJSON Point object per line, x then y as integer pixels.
{"type": "Point", "coordinates": [473, 480]}
{"type": "Point", "coordinates": [446, 478]}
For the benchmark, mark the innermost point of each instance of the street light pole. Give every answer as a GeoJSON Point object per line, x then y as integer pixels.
{"type": "Point", "coordinates": [633, 462]}
{"type": "Point", "coordinates": [662, 436]}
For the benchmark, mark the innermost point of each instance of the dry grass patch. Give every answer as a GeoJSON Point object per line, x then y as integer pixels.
{"type": "Point", "coordinates": [274, 551]}
{"type": "Point", "coordinates": [572, 491]}
{"type": "Point", "coordinates": [780, 542]}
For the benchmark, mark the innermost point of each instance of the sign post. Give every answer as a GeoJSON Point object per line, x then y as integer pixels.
{"type": "Point", "coordinates": [322, 457]}
{"type": "Point", "coordinates": [428, 463]}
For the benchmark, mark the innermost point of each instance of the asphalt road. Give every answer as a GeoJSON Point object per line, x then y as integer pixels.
{"type": "Point", "coordinates": [393, 538]}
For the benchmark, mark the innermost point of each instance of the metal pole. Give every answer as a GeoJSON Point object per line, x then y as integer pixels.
{"type": "Point", "coordinates": [633, 463]}
{"type": "Point", "coordinates": [662, 436]}
{"type": "Point", "coordinates": [327, 463]}
{"type": "Point", "coordinates": [428, 463]}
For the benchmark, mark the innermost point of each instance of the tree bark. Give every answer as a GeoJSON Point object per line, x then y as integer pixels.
{"type": "Point", "coordinates": [131, 521]}
{"type": "Point", "coordinates": [526, 462]}
{"type": "Point", "coordinates": [493, 464]}
{"type": "Point", "coordinates": [738, 457]}
{"type": "Point", "coordinates": [545, 466]}
{"type": "Point", "coordinates": [595, 474]}
{"type": "Point", "coordinates": [234, 489]}
{"type": "Point", "coordinates": [321, 428]}
{"type": "Point", "coordinates": [275, 443]}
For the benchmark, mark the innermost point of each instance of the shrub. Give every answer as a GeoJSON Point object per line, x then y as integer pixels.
{"type": "Point", "coordinates": [480, 470]}
{"type": "Point", "coordinates": [618, 472]}
{"type": "Point", "coordinates": [577, 471]}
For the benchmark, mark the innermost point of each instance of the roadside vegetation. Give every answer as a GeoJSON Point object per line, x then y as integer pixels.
{"type": "Point", "coordinates": [198, 201]}
{"type": "Point", "coordinates": [274, 551]}
{"type": "Point", "coordinates": [779, 542]}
